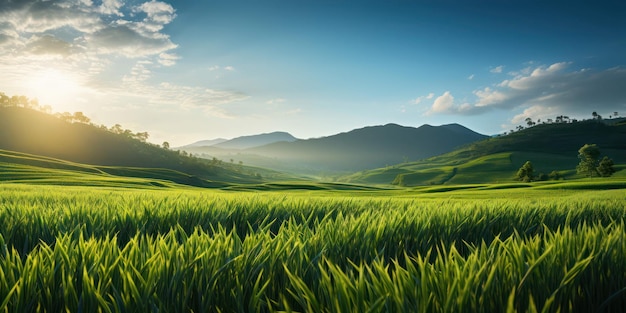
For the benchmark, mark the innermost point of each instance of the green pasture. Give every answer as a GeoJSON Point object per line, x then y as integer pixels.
{"type": "Point", "coordinates": [469, 248]}
{"type": "Point", "coordinates": [489, 169]}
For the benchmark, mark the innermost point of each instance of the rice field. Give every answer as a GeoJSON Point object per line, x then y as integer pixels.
{"type": "Point", "coordinates": [86, 249]}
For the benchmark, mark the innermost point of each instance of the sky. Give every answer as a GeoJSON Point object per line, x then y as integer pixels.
{"type": "Point", "coordinates": [190, 70]}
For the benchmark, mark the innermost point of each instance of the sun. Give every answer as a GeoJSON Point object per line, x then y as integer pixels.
{"type": "Point", "coordinates": [56, 88]}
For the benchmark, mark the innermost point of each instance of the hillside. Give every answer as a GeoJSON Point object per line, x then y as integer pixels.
{"type": "Point", "coordinates": [550, 147]}
{"type": "Point", "coordinates": [359, 149]}
{"type": "Point", "coordinates": [32, 132]}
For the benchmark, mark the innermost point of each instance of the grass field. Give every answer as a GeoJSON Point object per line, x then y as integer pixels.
{"type": "Point", "coordinates": [467, 248]}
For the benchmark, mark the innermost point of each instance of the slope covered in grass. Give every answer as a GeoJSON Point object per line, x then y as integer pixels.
{"type": "Point", "coordinates": [551, 147]}
{"type": "Point", "coordinates": [31, 132]}
{"type": "Point", "coordinates": [19, 167]}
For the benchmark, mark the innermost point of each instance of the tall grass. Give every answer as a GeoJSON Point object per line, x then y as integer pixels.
{"type": "Point", "coordinates": [91, 250]}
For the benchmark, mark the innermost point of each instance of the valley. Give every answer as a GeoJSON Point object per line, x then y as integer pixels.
{"type": "Point", "coordinates": [381, 218]}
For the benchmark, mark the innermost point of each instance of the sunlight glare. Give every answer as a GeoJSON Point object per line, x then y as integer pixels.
{"type": "Point", "coordinates": [55, 88]}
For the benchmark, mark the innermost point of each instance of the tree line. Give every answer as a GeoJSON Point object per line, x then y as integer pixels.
{"type": "Point", "coordinates": [560, 119]}
{"type": "Point", "coordinates": [76, 117]}
{"type": "Point", "coordinates": [590, 165]}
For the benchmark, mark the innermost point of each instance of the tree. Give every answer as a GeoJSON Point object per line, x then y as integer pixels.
{"type": "Point", "coordinates": [116, 129]}
{"type": "Point", "coordinates": [4, 99]}
{"type": "Point", "coordinates": [526, 172]}
{"type": "Point", "coordinates": [143, 136]}
{"type": "Point", "coordinates": [605, 168]}
{"type": "Point", "coordinates": [588, 156]}
{"type": "Point", "coordinates": [80, 118]}
{"type": "Point", "coordinates": [529, 122]}
{"type": "Point", "coordinates": [166, 145]}
{"type": "Point", "coordinates": [554, 175]}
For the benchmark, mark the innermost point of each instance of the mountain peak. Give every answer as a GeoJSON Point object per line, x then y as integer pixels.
{"type": "Point", "coordinates": [245, 142]}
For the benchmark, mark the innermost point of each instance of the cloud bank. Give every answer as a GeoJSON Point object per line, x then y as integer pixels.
{"type": "Point", "coordinates": [543, 91]}
{"type": "Point", "coordinates": [83, 28]}
{"type": "Point", "coordinates": [114, 46]}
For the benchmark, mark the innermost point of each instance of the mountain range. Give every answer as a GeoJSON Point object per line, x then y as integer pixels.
{"type": "Point", "coordinates": [243, 142]}
{"type": "Point", "coordinates": [374, 155]}
{"type": "Point", "coordinates": [359, 149]}
{"type": "Point", "coordinates": [551, 148]}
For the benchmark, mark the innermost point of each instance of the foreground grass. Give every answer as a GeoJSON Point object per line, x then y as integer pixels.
{"type": "Point", "coordinates": [472, 250]}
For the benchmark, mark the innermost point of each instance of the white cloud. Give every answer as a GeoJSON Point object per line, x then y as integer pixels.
{"type": "Point", "coordinates": [139, 72]}
{"type": "Point", "coordinates": [81, 29]}
{"type": "Point", "coordinates": [275, 101]}
{"type": "Point", "coordinates": [489, 96]}
{"type": "Point", "coordinates": [443, 104]}
{"type": "Point", "coordinates": [157, 13]}
{"type": "Point", "coordinates": [48, 45]}
{"type": "Point", "coordinates": [470, 77]}
{"type": "Point", "coordinates": [168, 59]}
{"type": "Point", "coordinates": [31, 16]}
{"type": "Point", "coordinates": [111, 7]}
{"type": "Point", "coordinates": [497, 69]}
{"type": "Point", "coordinates": [546, 89]}
{"type": "Point", "coordinates": [227, 68]}
{"type": "Point", "coordinates": [127, 42]}
{"type": "Point", "coordinates": [114, 46]}
{"type": "Point", "coordinates": [418, 100]}
{"type": "Point", "coordinates": [535, 112]}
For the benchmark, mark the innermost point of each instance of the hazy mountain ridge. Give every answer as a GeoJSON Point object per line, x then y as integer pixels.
{"type": "Point", "coordinates": [358, 149]}
{"type": "Point", "coordinates": [206, 143]}
{"type": "Point", "coordinates": [243, 142]}
{"type": "Point", "coordinates": [246, 142]}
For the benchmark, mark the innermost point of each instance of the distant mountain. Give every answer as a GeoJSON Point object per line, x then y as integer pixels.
{"type": "Point", "coordinates": [364, 148]}
{"type": "Point", "coordinates": [549, 147]}
{"type": "Point", "coordinates": [206, 143]}
{"type": "Point", "coordinates": [240, 143]}
{"type": "Point", "coordinates": [245, 142]}
{"type": "Point", "coordinates": [33, 132]}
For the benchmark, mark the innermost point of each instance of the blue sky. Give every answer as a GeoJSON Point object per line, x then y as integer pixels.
{"type": "Point", "coordinates": [189, 70]}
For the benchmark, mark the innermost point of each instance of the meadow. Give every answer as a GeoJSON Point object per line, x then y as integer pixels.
{"type": "Point", "coordinates": [481, 248]}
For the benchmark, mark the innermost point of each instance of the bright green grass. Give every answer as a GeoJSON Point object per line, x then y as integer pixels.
{"type": "Point", "coordinates": [478, 248]}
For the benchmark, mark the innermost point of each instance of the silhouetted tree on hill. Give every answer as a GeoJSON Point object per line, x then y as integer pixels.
{"type": "Point", "coordinates": [588, 156]}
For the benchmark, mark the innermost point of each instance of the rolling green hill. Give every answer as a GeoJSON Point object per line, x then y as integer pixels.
{"type": "Point", "coordinates": [50, 139]}
{"type": "Point", "coordinates": [550, 147]}
{"type": "Point", "coordinates": [19, 167]}
{"type": "Point", "coordinates": [16, 167]}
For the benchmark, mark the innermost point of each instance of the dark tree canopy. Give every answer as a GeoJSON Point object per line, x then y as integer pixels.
{"type": "Point", "coordinates": [605, 168]}
{"type": "Point", "coordinates": [526, 172]}
{"type": "Point", "coordinates": [588, 155]}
